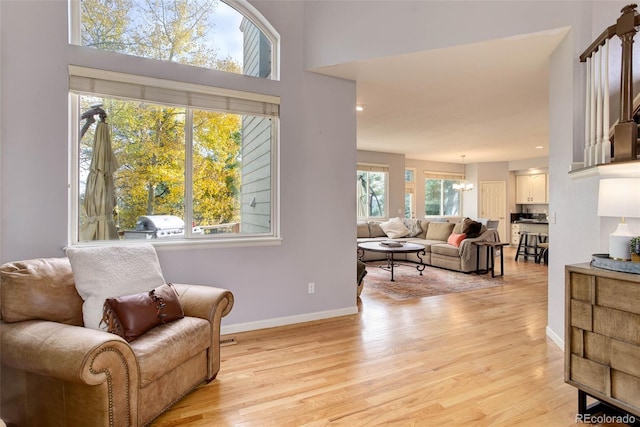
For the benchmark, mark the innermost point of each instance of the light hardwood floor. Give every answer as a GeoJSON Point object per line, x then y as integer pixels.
{"type": "Point", "coordinates": [479, 358]}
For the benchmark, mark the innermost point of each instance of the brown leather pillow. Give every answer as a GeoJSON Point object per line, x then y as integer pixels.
{"type": "Point", "coordinates": [471, 228]}
{"type": "Point", "coordinates": [130, 316]}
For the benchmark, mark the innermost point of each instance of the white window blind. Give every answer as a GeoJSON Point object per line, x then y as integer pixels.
{"type": "Point", "coordinates": [443, 175]}
{"type": "Point", "coordinates": [372, 168]}
{"type": "Point", "coordinates": [129, 86]}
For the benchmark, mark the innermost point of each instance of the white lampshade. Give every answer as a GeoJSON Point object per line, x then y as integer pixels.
{"type": "Point", "coordinates": [619, 197]}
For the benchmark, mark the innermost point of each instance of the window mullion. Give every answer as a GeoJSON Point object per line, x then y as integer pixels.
{"type": "Point", "coordinates": [442, 197]}
{"type": "Point", "coordinates": [188, 173]}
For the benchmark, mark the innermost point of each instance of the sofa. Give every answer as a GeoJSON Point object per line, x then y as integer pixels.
{"type": "Point", "coordinates": [446, 243]}
{"type": "Point", "coordinates": [57, 371]}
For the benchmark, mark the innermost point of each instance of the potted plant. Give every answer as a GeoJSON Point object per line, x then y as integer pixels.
{"type": "Point", "coordinates": [634, 246]}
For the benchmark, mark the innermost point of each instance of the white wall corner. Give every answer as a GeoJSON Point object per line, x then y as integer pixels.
{"type": "Point", "coordinates": [555, 338]}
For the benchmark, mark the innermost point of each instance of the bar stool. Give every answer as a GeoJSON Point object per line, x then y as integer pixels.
{"type": "Point", "coordinates": [528, 245]}
{"type": "Point", "coordinates": [544, 253]}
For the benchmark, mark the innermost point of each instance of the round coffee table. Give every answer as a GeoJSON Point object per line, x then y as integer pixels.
{"type": "Point", "coordinates": [406, 247]}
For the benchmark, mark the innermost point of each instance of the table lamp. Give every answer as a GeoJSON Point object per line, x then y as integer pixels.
{"type": "Point", "coordinates": [619, 197]}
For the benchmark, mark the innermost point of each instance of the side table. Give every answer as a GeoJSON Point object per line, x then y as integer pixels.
{"type": "Point", "coordinates": [491, 248]}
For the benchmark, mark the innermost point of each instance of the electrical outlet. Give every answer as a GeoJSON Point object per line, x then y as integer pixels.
{"type": "Point", "coordinates": [312, 287]}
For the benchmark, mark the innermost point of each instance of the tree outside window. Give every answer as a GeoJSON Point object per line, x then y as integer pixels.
{"type": "Point", "coordinates": [371, 191]}
{"type": "Point", "coordinates": [441, 199]}
{"type": "Point", "coordinates": [181, 31]}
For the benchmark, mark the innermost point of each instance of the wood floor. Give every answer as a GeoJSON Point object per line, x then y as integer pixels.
{"type": "Point", "coordinates": [479, 358]}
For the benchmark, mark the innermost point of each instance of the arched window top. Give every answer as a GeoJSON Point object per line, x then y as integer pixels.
{"type": "Point", "coordinates": [225, 35]}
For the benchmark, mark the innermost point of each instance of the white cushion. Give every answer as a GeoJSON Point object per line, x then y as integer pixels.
{"type": "Point", "coordinates": [394, 228]}
{"type": "Point", "coordinates": [103, 272]}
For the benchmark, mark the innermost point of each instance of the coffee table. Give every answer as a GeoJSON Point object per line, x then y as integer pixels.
{"type": "Point", "coordinates": [391, 250]}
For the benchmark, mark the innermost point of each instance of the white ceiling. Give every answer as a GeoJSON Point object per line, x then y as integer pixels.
{"type": "Point", "coordinates": [487, 101]}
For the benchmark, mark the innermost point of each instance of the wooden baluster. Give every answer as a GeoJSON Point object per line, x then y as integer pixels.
{"type": "Point", "coordinates": [592, 131]}
{"type": "Point", "coordinates": [587, 115]}
{"type": "Point", "coordinates": [606, 140]}
{"type": "Point", "coordinates": [597, 148]}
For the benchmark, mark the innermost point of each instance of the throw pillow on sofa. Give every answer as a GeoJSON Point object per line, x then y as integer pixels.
{"type": "Point", "coordinates": [375, 230]}
{"type": "Point", "coordinates": [471, 228]}
{"type": "Point", "coordinates": [439, 231]}
{"type": "Point", "coordinates": [455, 239]}
{"type": "Point", "coordinates": [362, 229]}
{"type": "Point", "coordinates": [414, 227]}
{"type": "Point", "coordinates": [394, 228]}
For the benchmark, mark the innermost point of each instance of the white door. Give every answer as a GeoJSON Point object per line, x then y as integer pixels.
{"type": "Point", "coordinates": [493, 205]}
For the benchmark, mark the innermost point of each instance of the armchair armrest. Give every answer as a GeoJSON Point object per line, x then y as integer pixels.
{"type": "Point", "coordinates": [210, 303]}
{"type": "Point", "coordinates": [204, 301]}
{"type": "Point", "coordinates": [77, 355]}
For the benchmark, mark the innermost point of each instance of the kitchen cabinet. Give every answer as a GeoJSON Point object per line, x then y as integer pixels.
{"type": "Point", "coordinates": [515, 234]}
{"type": "Point", "coordinates": [602, 336]}
{"type": "Point", "coordinates": [531, 189]}
{"type": "Point", "coordinates": [529, 227]}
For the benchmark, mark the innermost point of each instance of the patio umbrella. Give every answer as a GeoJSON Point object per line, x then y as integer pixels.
{"type": "Point", "coordinates": [99, 197]}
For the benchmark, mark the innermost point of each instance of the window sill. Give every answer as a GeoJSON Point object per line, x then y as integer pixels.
{"type": "Point", "coordinates": [183, 244]}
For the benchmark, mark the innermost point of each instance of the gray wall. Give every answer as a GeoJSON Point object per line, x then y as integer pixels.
{"type": "Point", "coordinates": [317, 155]}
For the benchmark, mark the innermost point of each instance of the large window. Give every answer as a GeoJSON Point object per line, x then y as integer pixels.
{"type": "Point", "coordinates": [372, 191]}
{"type": "Point", "coordinates": [183, 160]}
{"type": "Point", "coordinates": [441, 199]}
{"type": "Point", "coordinates": [211, 34]}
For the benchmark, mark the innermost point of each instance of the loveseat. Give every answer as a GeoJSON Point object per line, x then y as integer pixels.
{"type": "Point", "coordinates": [446, 246]}
{"type": "Point", "coordinates": [55, 371]}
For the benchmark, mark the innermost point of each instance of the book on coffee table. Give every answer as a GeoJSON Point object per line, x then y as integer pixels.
{"type": "Point", "coordinates": [392, 243]}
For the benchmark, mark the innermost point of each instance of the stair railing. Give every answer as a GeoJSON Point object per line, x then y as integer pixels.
{"type": "Point", "coordinates": [597, 140]}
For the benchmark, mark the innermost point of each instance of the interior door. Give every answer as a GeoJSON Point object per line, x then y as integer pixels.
{"type": "Point", "coordinates": [493, 205]}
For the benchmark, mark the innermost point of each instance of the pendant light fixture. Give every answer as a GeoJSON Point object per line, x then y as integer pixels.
{"type": "Point", "coordinates": [463, 186]}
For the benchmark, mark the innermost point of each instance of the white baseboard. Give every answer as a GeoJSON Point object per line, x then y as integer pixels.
{"type": "Point", "coordinates": [555, 338]}
{"type": "Point", "coordinates": [290, 320]}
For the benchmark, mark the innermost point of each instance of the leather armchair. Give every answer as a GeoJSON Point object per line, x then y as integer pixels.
{"type": "Point", "coordinates": [55, 371]}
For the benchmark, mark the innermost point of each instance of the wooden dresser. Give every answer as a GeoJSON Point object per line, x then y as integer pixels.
{"type": "Point", "coordinates": [602, 336]}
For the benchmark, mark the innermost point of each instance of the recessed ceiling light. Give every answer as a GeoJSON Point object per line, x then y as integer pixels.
{"type": "Point", "coordinates": [539, 147]}
{"type": "Point", "coordinates": [360, 107]}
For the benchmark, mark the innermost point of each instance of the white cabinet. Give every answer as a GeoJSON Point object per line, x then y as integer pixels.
{"type": "Point", "coordinates": [531, 189]}
{"type": "Point", "coordinates": [515, 234]}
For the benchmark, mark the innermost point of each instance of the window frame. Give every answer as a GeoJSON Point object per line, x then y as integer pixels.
{"type": "Point", "coordinates": [369, 167]}
{"type": "Point", "coordinates": [226, 239]}
{"type": "Point", "coordinates": [410, 189]}
{"type": "Point", "coordinates": [441, 176]}
{"type": "Point", "coordinates": [241, 6]}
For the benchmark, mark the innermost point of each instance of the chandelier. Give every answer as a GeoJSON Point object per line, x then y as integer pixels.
{"type": "Point", "coordinates": [463, 186]}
